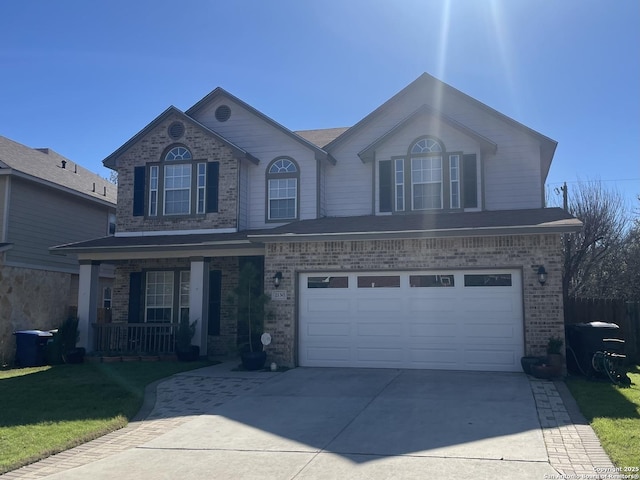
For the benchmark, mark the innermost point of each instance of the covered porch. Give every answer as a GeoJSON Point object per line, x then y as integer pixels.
{"type": "Point", "coordinates": [159, 280]}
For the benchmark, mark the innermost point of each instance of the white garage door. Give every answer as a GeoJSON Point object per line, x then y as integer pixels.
{"type": "Point", "coordinates": [452, 320]}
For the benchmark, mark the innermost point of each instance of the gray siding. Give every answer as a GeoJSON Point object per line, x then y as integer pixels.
{"type": "Point", "coordinates": [41, 217]}
{"type": "Point", "coordinates": [266, 143]}
{"type": "Point", "coordinates": [4, 185]}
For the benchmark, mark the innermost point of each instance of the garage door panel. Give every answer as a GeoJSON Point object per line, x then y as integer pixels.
{"type": "Point", "coordinates": [458, 326]}
{"type": "Point", "coordinates": [492, 304]}
{"type": "Point", "coordinates": [377, 305]}
{"type": "Point", "coordinates": [378, 330]}
{"type": "Point", "coordinates": [436, 357]}
{"type": "Point", "coordinates": [326, 329]}
{"type": "Point", "coordinates": [490, 331]}
{"type": "Point", "coordinates": [431, 330]}
{"type": "Point", "coordinates": [380, 355]}
{"type": "Point", "coordinates": [328, 354]}
{"type": "Point", "coordinates": [329, 304]}
{"type": "Point", "coordinates": [491, 357]}
{"type": "Point", "coordinates": [431, 305]}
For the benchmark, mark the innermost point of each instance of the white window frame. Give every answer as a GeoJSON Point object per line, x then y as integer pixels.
{"type": "Point", "coordinates": [428, 181]}
{"type": "Point", "coordinates": [159, 292]}
{"type": "Point", "coordinates": [107, 297]}
{"type": "Point", "coordinates": [282, 178]}
{"type": "Point", "coordinates": [184, 167]}
{"type": "Point", "coordinates": [400, 194]}
{"type": "Point", "coordinates": [201, 186]}
{"type": "Point", "coordinates": [153, 191]}
{"type": "Point", "coordinates": [454, 181]}
{"type": "Point", "coordinates": [290, 183]}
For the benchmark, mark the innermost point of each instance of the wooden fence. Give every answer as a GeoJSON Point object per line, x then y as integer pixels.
{"type": "Point", "coordinates": [624, 314]}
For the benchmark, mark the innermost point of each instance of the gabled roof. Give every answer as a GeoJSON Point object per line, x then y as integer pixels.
{"type": "Point", "coordinates": [111, 160]}
{"type": "Point", "coordinates": [427, 225]}
{"type": "Point", "coordinates": [486, 145]}
{"type": "Point", "coordinates": [45, 166]}
{"type": "Point", "coordinates": [426, 81]}
{"type": "Point", "coordinates": [322, 136]}
{"type": "Point", "coordinates": [320, 154]}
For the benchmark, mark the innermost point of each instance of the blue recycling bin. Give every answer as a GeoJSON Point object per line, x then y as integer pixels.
{"type": "Point", "coordinates": [31, 347]}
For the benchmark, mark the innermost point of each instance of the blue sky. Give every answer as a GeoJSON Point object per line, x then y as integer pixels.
{"type": "Point", "coordinates": [83, 77]}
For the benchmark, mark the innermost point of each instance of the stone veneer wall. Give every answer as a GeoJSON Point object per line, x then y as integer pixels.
{"type": "Point", "coordinates": [543, 308]}
{"type": "Point", "coordinates": [30, 300]}
{"type": "Point", "coordinates": [150, 150]}
{"type": "Point", "coordinates": [222, 344]}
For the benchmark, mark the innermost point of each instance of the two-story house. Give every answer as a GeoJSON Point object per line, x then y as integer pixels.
{"type": "Point", "coordinates": [46, 198]}
{"type": "Point", "coordinates": [416, 238]}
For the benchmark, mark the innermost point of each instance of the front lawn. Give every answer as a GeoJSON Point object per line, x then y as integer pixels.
{"type": "Point", "coordinates": [614, 414]}
{"type": "Point", "coordinates": [45, 410]}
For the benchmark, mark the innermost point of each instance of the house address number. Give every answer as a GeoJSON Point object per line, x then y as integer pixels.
{"type": "Point", "coordinates": [278, 295]}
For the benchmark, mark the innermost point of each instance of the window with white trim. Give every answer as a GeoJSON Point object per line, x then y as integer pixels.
{"type": "Point", "coordinates": [399, 184]}
{"type": "Point", "coordinates": [153, 190]}
{"type": "Point", "coordinates": [159, 297]}
{"type": "Point", "coordinates": [427, 177]}
{"type": "Point", "coordinates": [202, 184]}
{"type": "Point", "coordinates": [454, 180]}
{"type": "Point", "coordinates": [282, 189]}
{"type": "Point", "coordinates": [426, 183]}
{"type": "Point", "coordinates": [176, 185]}
{"type": "Point", "coordinates": [106, 297]}
{"type": "Point", "coordinates": [166, 298]}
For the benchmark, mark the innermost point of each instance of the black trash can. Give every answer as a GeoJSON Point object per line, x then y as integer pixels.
{"type": "Point", "coordinates": [584, 339]}
{"type": "Point", "coordinates": [31, 347]}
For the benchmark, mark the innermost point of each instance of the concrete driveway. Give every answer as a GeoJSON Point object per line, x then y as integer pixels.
{"type": "Point", "coordinates": [312, 423]}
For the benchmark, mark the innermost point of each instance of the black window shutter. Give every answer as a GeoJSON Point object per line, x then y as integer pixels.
{"type": "Point", "coordinates": [213, 173]}
{"type": "Point", "coordinates": [135, 297]}
{"type": "Point", "coordinates": [385, 189]}
{"type": "Point", "coordinates": [469, 181]}
{"type": "Point", "coordinates": [138, 191]}
{"type": "Point", "coordinates": [215, 302]}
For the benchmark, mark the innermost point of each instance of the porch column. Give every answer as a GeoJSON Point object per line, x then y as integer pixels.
{"type": "Point", "coordinates": [198, 301]}
{"type": "Point", "coordinates": [87, 302]}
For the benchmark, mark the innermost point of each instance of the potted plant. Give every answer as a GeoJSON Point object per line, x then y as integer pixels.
{"type": "Point", "coordinates": [251, 307]}
{"type": "Point", "coordinates": [62, 349]}
{"type": "Point", "coordinates": [554, 351]}
{"type": "Point", "coordinates": [184, 350]}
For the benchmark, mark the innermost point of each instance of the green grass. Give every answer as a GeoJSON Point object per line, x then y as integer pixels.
{"type": "Point", "coordinates": [614, 414]}
{"type": "Point", "coordinates": [45, 410]}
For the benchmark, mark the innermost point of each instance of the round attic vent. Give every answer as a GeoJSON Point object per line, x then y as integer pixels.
{"type": "Point", "coordinates": [176, 130]}
{"type": "Point", "coordinates": [223, 112]}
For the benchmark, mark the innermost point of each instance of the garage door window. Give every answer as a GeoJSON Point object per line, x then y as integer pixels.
{"type": "Point", "coordinates": [379, 281]}
{"type": "Point", "coordinates": [328, 282]}
{"type": "Point", "coordinates": [488, 280]}
{"type": "Point", "coordinates": [431, 281]}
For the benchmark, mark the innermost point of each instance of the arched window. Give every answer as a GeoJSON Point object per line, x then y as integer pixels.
{"type": "Point", "coordinates": [426, 174]}
{"type": "Point", "coordinates": [176, 185]}
{"type": "Point", "coordinates": [282, 189]}
{"type": "Point", "coordinates": [178, 153]}
{"type": "Point", "coordinates": [426, 145]}
{"type": "Point", "coordinates": [428, 177]}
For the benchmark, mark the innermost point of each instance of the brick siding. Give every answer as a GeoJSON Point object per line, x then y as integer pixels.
{"type": "Point", "coordinates": [543, 314]}
{"type": "Point", "coordinates": [150, 149]}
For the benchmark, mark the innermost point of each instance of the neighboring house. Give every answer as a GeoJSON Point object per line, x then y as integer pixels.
{"type": "Point", "coordinates": [412, 239]}
{"type": "Point", "coordinates": [45, 199]}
